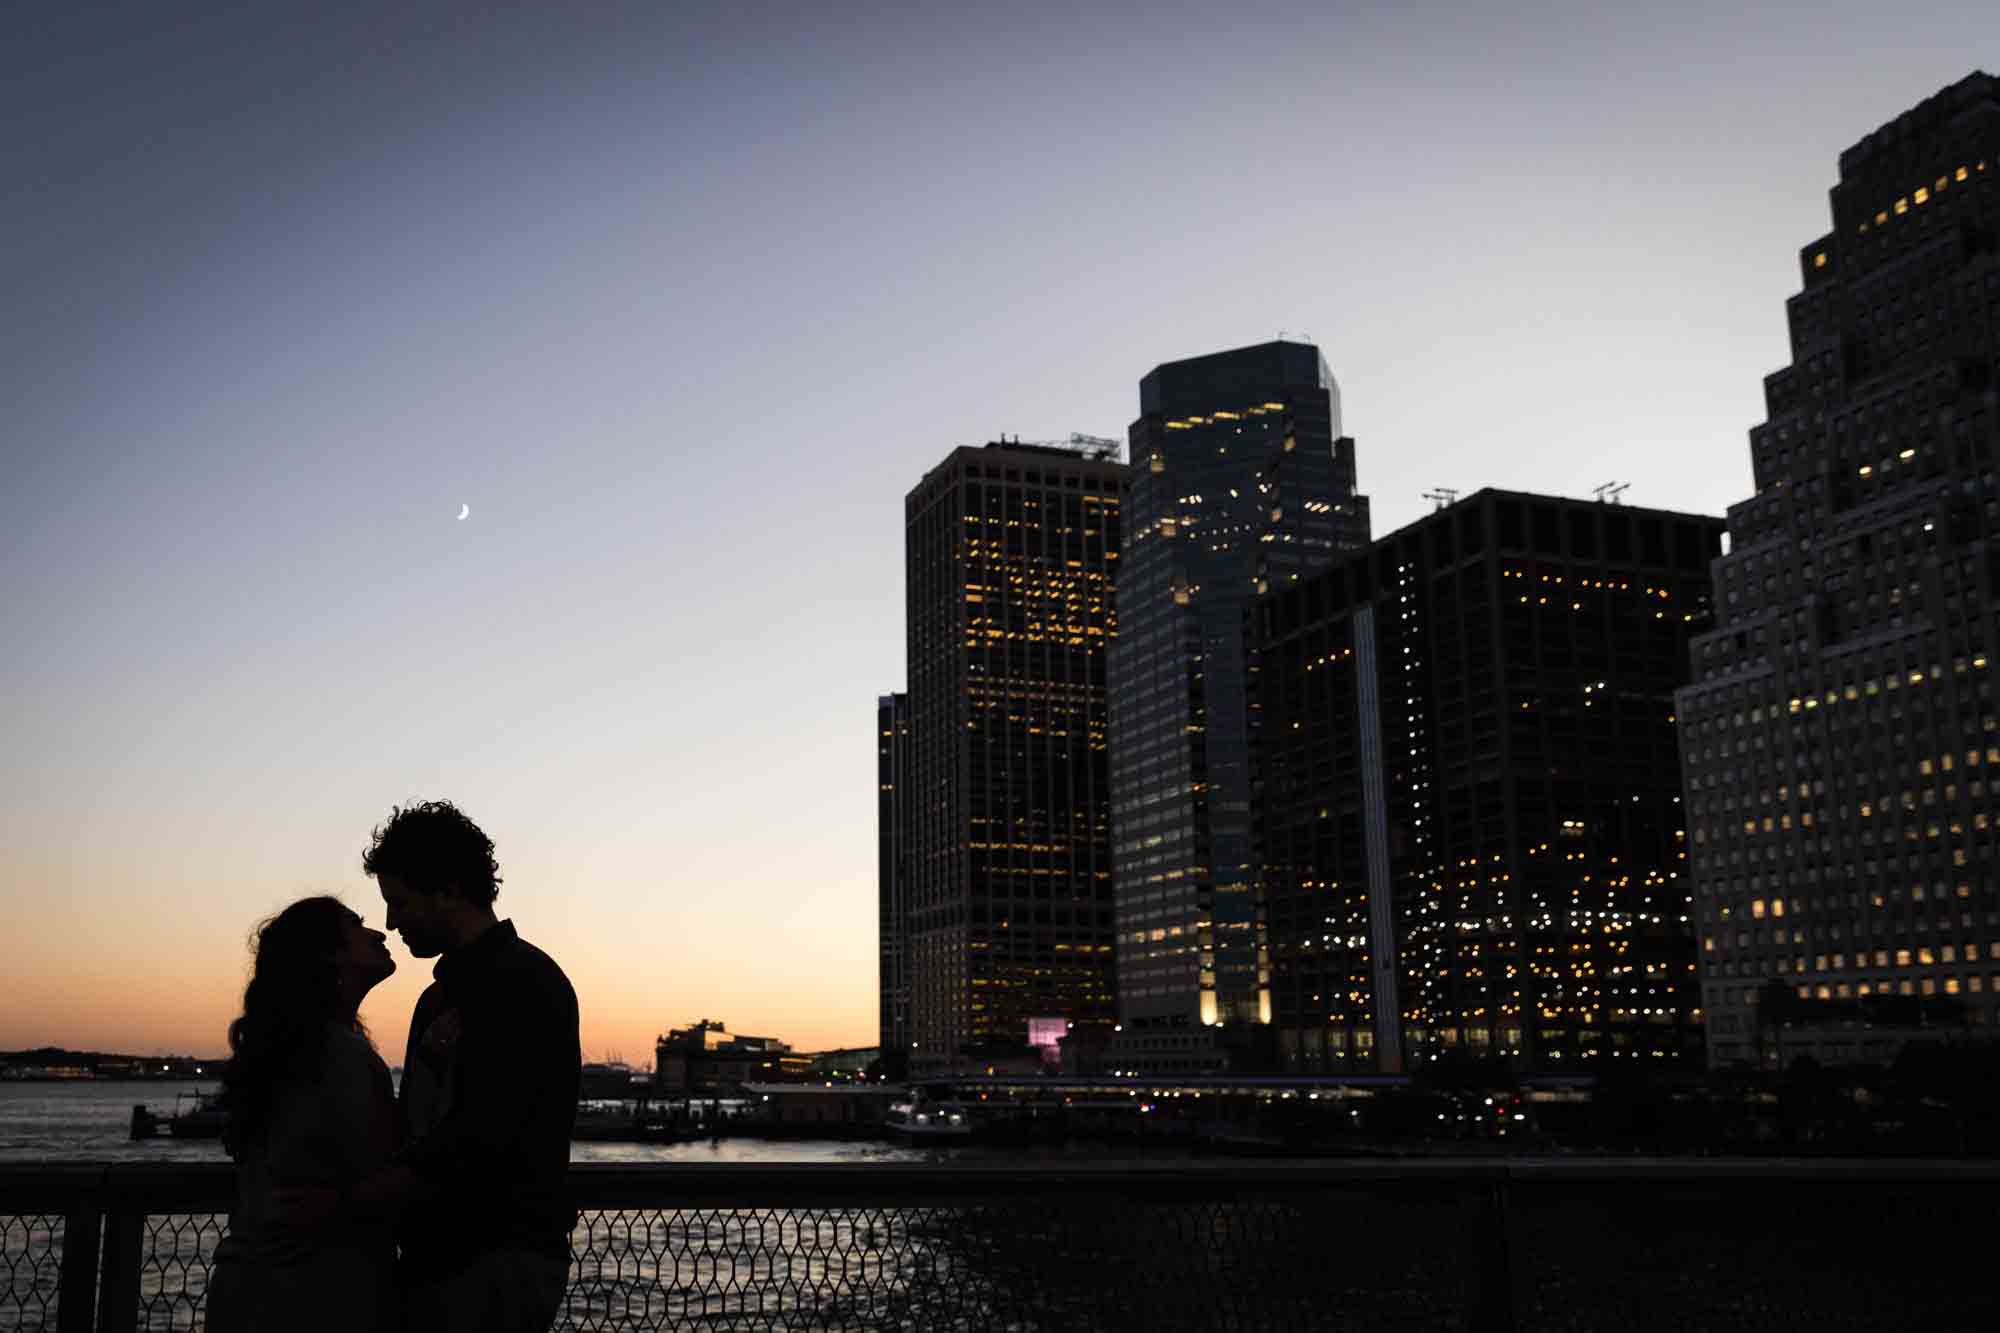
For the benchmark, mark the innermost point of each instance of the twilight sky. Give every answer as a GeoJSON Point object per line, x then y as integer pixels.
{"type": "Point", "coordinates": [681, 299]}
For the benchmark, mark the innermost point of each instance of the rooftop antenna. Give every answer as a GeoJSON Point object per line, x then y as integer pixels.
{"type": "Point", "coordinates": [1094, 446]}
{"type": "Point", "coordinates": [1441, 498]}
{"type": "Point", "coordinates": [1609, 492]}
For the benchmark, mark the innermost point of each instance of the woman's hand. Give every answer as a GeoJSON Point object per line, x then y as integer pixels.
{"type": "Point", "coordinates": [307, 1207]}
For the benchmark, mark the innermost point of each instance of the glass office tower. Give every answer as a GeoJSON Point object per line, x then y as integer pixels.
{"type": "Point", "coordinates": [1240, 481]}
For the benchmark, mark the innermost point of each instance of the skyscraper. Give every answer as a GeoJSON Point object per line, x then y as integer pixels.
{"type": "Point", "coordinates": [892, 759]}
{"type": "Point", "coordinates": [1841, 734]}
{"type": "Point", "coordinates": [1468, 799]}
{"type": "Point", "coordinates": [1241, 481]}
{"type": "Point", "coordinates": [1010, 554]}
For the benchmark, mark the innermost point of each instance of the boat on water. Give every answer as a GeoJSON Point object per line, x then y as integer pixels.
{"type": "Point", "coordinates": [196, 1115]}
{"type": "Point", "coordinates": [620, 1123]}
{"type": "Point", "coordinates": [929, 1114]}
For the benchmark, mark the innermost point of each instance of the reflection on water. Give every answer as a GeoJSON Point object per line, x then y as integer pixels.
{"type": "Point", "coordinates": [1614, 1247]}
{"type": "Point", "coordinates": [1091, 1261]}
{"type": "Point", "coordinates": [726, 1268]}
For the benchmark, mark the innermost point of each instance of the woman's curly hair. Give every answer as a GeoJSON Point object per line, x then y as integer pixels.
{"type": "Point", "coordinates": [431, 845]}
{"type": "Point", "coordinates": [294, 993]}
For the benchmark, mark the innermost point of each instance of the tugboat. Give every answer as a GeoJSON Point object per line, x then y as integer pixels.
{"type": "Point", "coordinates": [197, 1115]}
{"type": "Point", "coordinates": [930, 1114]}
{"type": "Point", "coordinates": [203, 1117]}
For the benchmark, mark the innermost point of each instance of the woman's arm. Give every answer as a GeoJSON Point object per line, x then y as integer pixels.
{"type": "Point", "coordinates": [360, 1112]}
{"type": "Point", "coordinates": [358, 1100]}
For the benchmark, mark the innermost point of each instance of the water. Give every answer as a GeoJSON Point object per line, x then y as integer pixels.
{"type": "Point", "coordinates": [88, 1121]}
{"type": "Point", "coordinates": [860, 1267]}
{"type": "Point", "coordinates": [92, 1121]}
{"type": "Point", "coordinates": [632, 1268]}
{"type": "Point", "coordinates": [1749, 1253]}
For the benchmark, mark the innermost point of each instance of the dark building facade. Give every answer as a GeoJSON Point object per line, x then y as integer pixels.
{"type": "Point", "coordinates": [1011, 552]}
{"type": "Point", "coordinates": [704, 1057]}
{"type": "Point", "coordinates": [892, 757]}
{"type": "Point", "coordinates": [1241, 481]}
{"type": "Point", "coordinates": [1468, 799]}
{"type": "Point", "coordinates": [1841, 731]}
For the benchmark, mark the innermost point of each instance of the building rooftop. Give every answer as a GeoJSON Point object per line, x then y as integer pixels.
{"type": "Point", "coordinates": [1220, 379]}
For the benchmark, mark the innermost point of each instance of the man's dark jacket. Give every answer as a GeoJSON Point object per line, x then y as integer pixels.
{"type": "Point", "coordinates": [488, 1101]}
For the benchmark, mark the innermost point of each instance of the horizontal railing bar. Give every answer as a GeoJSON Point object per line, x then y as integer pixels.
{"type": "Point", "coordinates": [155, 1187]}
{"type": "Point", "coordinates": [210, 1187]}
{"type": "Point", "coordinates": [1925, 1171]}
{"type": "Point", "coordinates": [47, 1187]}
{"type": "Point", "coordinates": [1269, 1173]}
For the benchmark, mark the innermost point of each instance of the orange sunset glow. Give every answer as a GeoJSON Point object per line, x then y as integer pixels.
{"type": "Point", "coordinates": [141, 946]}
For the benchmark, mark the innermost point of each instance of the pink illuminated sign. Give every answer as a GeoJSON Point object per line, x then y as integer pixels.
{"type": "Point", "coordinates": [1047, 1033]}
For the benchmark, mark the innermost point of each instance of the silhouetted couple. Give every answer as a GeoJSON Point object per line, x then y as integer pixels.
{"type": "Point", "coordinates": [445, 1207]}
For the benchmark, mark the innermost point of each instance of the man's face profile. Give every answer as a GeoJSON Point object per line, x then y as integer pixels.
{"type": "Point", "coordinates": [417, 917]}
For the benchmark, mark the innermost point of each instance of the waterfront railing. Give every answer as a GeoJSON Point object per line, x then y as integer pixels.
{"type": "Point", "coordinates": [1485, 1246]}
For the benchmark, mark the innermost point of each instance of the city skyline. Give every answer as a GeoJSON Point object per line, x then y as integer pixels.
{"type": "Point", "coordinates": [675, 304]}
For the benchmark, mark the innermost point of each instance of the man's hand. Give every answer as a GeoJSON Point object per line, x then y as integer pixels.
{"type": "Point", "coordinates": [305, 1207]}
{"type": "Point", "coordinates": [382, 1195]}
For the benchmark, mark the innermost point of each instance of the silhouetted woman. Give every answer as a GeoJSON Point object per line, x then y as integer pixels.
{"type": "Point", "coordinates": [309, 1103]}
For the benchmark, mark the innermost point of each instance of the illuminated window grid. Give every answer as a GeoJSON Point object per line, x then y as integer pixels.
{"type": "Point", "coordinates": [1011, 555]}
{"type": "Point", "coordinates": [1838, 737]}
{"type": "Point", "coordinates": [1540, 906]}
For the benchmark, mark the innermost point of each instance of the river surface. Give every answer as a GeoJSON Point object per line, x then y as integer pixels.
{"type": "Point", "coordinates": [91, 1121]}
{"type": "Point", "coordinates": [905, 1268]}
{"type": "Point", "coordinates": [1748, 1253]}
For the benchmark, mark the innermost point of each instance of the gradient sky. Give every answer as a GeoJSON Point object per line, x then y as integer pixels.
{"type": "Point", "coordinates": [681, 299]}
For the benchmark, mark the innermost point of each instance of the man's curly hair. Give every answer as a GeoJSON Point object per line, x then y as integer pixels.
{"type": "Point", "coordinates": [433, 847]}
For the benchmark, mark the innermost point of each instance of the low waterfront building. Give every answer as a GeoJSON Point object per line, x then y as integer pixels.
{"type": "Point", "coordinates": [706, 1058]}
{"type": "Point", "coordinates": [821, 1106]}
{"type": "Point", "coordinates": [844, 1062]}
{"type": "Point", "coordinates": [611, 1081]}
{"type": "Point", "coordinates": [1164, 1052]}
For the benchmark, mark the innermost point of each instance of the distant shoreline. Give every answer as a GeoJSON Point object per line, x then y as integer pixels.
{"type": "Point", "coordinates": [112, 1078]}
{"type": "Point", "coordinates": [55, 1064]}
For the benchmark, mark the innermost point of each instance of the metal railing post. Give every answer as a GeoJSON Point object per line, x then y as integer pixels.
{"type": "Point", "coordinates": [118, 1287]}
{"type": "Point", "coordinates": [76, 1297]}
{"type": "Point", "coordinates": [1493, 1309]}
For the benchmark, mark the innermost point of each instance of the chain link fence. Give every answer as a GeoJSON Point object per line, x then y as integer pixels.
{"type": "Point", "coordinates": [1076, 1262]}
{"type": "Point", "coordinates": [31, 1247]}
{"type": "Point", "coordinates": [1443, 1246]}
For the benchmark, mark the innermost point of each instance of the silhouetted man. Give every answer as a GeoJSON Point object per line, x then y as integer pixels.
{"type": "Point", "coordinates": [489, 1090]}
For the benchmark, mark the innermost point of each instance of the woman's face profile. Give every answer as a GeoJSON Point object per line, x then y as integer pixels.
{"type": "Point", "coordinates": [362, 956]}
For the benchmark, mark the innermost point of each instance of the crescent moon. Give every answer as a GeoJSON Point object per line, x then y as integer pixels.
{"type": "Point", "coordinates": [463, 511]}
